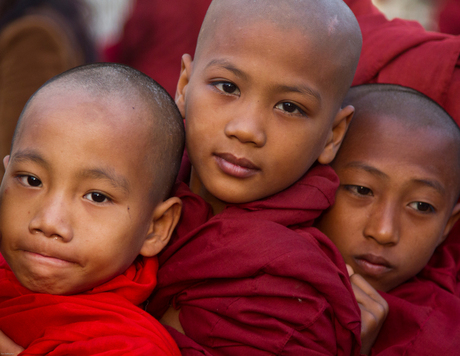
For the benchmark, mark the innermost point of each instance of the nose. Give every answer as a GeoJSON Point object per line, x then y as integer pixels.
{"type": "Point", "coordinates": [52, 218]}
{"type": "Point", "coordinates": [383, 224]}
{"type": "Point", "coordinates": [248, 125]}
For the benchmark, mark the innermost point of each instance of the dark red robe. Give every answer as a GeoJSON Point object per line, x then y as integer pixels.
{"type": "Point", "coordinates": [424, 314]}
{"type": "Point", "coordinates": [257, 279]}
{"type": "Point", "coordinates": [103, 321]}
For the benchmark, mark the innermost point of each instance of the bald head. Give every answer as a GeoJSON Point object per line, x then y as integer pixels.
{"type": "Point", "coordinates": [380, 105]}
{"type": "Point", "coordinates": [329, 23]}
{"type": "Point", "coordinates": [407, 106]}
{"type": "Point", "coordinates": [159, 118]}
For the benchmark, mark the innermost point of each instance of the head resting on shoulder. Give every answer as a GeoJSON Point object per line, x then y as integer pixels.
{"type": "Point", "coordinates": [398, 167]}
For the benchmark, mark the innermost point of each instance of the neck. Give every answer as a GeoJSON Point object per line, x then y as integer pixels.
{"type": "Point", "coordinates": [197, 187]}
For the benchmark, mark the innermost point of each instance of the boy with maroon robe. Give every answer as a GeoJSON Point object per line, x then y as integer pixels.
{"type": "Point", "coordinates": [85, 209]}
{"type": "Point", "coordinates": [398, 167]}
{"type": "Point", "coordinates": [246, 273]}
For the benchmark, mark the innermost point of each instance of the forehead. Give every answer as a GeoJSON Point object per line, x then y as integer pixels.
{"type": "Point", "coordinates": [85, 129]}
{"type": "Point", "coordinates": [273, 53]}
{"type": "Point", "coordinates": [390, 146]}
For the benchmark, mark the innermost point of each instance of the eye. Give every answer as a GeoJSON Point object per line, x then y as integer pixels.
{"type": "Point", "coordinates": [227, 88]}
{"type": "Point", "coordinates": [30, 181]}
{"type": "Point", "coordinates": [97, 197]}
{"type": "Point", "coordinates": [422, 207]}
{"type": "Point", "coordinates": [290, 108]}
{"type": "Point", "coordinates": [359, 190]}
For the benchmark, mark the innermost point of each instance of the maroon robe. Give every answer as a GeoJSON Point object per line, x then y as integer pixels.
{"type": "Point", "coordinates": [257, 279]}
{"type": "Point", "coordinates": [103, 321]}
{"type": "Point", "coordinates": [424, 316]}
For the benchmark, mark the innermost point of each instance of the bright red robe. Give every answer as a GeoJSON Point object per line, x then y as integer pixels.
{"type": "Point", "coordinates": [257, 279]}
{"type": "Point", "coordinates": [424, 314]}
{"type": "Point", "coordinates": [103, 321]}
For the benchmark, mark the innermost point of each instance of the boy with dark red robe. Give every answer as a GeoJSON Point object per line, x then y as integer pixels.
{"type": "Point", "coordinates": [398, 167]}
{"type": "Point", "coordinates": [85, 210]}
{"type": "Point", "coordinates": [246, 273]}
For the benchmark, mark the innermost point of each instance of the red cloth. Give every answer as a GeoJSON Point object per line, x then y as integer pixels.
{"type": "Point", "coordinates": [257, 279]}
{"type": "Point", "coordinates": [423, 320]}
{"type": "Point", "coordinates": [424, 314]}
{"type": "Point", "coordinates": [105, 320]}
{"type": "Point", "coordinates": [156, 36]}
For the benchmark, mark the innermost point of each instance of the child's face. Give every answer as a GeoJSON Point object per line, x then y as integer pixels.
{"type": "Point", "coordinates": [394, 204]}
{"type": "Point", "coordinates": [259, 110]}
{"type": "Point", "coordinates": [75, 211]}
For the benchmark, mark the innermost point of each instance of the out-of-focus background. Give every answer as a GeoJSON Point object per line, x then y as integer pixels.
{"type": "Point", "coordinates": [42, 38]}
{"type": "Point", "coordinates": [110, 15]}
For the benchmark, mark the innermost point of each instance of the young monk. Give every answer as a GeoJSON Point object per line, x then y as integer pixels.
{"type": "Point", "coordinates": [246, 274]}
{"type": "Point", "coordinates": [399, 169]}
{"type": "Point", "coordinates": [85, 210]}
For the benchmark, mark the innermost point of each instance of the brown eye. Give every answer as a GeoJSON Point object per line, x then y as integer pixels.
{"type": "Point", "coordinates": [227, 88]}
{"type": "Point", "coordinates": [97, 197]}
{"type": "Point", "coordinates": [422, 207]}
{"type": "Point", "coordinates": [363, 190]}
{"type": "Point", "coordinates": [30, 181]}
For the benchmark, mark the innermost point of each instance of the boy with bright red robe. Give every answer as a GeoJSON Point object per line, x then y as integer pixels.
{"type": "Point", "coordinates": [85, 210]}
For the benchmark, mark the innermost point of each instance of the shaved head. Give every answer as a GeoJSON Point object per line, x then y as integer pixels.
{"type": "Point", "coordinates": [377, 105]}
{"type": "Point", "coordinates": [330, 23]}
{"type": "Point", "coordinates": [409, 107]}
{"type": "Point", "coordinates": [159, 117]}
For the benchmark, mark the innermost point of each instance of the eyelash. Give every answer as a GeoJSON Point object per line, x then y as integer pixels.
{"type": "Point", "coordinates": [355, 189]}
{"type": "Point", "coordinates": [430, 207]}
{"type": "Point", "coordinates": [368, 192]}
{"type": "Point", "coordinates": [98, 195]}
{"type": "Point", "coordinates": [220, 86]}
{"type": "Point", "coordinates": [29, 180]}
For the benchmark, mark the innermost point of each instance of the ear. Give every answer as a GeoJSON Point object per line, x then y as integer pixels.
{"type": "Point", "coordinates": [6, 160]}
{"type": "Point", "coordinates": [164, 220]}
{"type": "Point", "coordinates": [184, 78]}
{"type": "Point", "coordinates": [451, 222]}
{"type": "Point", "coordinates": [339, 128]}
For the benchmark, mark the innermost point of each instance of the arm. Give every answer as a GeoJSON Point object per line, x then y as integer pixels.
{"type": "Point", "coordinates": [8, 347]}
{"type": "Point", "coordinates": [374, 310]}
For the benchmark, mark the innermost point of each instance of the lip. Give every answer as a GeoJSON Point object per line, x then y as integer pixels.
{"type": "Point", "coordinates": [45, 259]}
{"type": "Point", "coordinates": [373, 265]}
{"type": "Point", "coordinates": [234, 166]}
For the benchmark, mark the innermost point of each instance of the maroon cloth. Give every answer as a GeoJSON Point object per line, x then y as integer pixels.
{"type": "Point", "coordinates": [257, 279]}
{"type": "Point", "coordinates": [424, 314]}
{"type": "Point", "coordinates": [156, 35]}
{"type": "Point", "coordinates": [103, 321]}
{"type": "Point", "coordinates": [423, 320]}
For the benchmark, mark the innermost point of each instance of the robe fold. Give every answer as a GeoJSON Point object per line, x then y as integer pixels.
{"type": "Point", "coordinates": [257, 279]}
{"type": "Point", "coordinates": [103, 321]}
{"type": "Point", "coordinates": [424, 317]}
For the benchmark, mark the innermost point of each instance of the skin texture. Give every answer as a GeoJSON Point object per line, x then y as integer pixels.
{"type": "Point", "coordinates": [397, 198]}
{"type": "Point", "coordinates": [74, 212]}
{"type": "Point", "coordinates": [251, 86]}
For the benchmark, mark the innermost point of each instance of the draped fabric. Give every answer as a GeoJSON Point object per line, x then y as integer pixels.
{"type": "Point", "coordinates": [103, 321]}
{"type": "Point", "coordinates": [257, 279]}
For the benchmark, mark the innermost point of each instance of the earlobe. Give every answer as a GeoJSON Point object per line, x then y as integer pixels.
{"type": "Point", "coordinates": [451, 222]}
{"type": "Point", "coordinates": [164, 221]}
{"type": "Point", "coordinates": [339, 128]}
{"type": "Point", "coordinates": [186, 68]}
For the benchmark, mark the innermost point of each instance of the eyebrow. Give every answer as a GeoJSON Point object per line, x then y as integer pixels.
{"type": "Point", "coordinates": [104, 174]}
{"type": "Point", "coordinates": [29, 155]}
{"type": "Point", "coordinates": [227, 65]}
{"type": "Point", "coordinates": [302, 89]}
{"type": "Point", "coordinates": [374, 171]}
